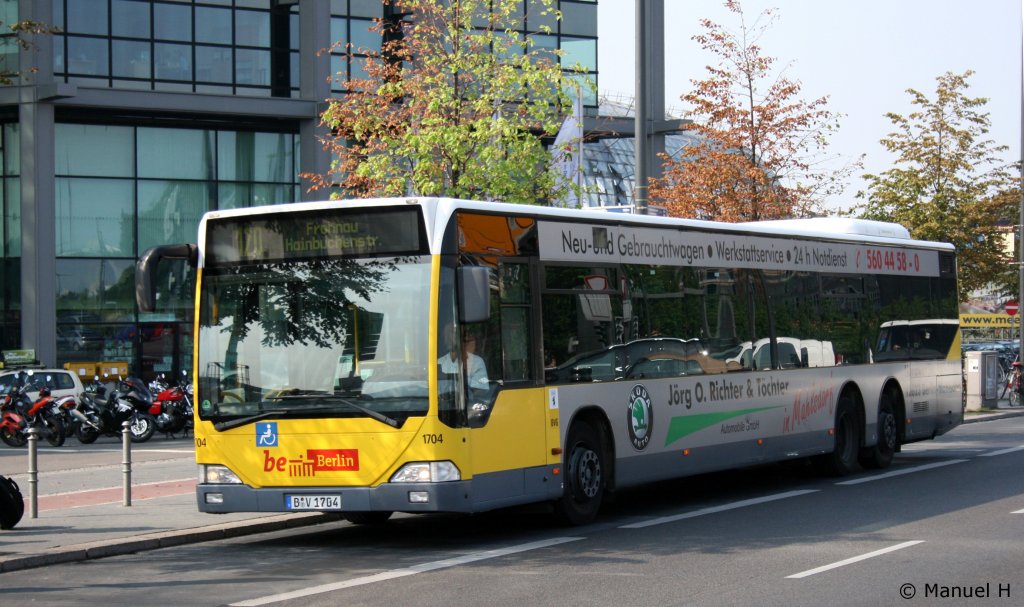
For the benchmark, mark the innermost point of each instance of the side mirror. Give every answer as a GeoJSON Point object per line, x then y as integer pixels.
{"type": "Point", "coordinates": [145, 270]}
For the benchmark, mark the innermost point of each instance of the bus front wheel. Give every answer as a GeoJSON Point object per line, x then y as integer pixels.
{"type": "Point", "coordinates": [584, 480]}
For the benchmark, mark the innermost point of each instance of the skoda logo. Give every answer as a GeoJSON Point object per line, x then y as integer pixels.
{"type": "Point", "coordinates": [640, 417]}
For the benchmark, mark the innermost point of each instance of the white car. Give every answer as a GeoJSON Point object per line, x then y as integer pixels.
{"type": "Point", "coordinates": [60, 381]}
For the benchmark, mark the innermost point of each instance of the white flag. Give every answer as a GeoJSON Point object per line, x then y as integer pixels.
{"type": "Point", "coordinates": [567, 153]}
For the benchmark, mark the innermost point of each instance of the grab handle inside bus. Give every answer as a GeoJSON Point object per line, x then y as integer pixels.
{"type": "Point", "coordinates": [474, 293]}
{"type": "Point", "coordinates": [146, 268]}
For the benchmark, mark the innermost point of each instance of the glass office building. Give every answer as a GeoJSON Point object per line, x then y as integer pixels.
{"type": "Point", "coordinates": [608, 162]}
{"type": "Point", "coordinates": [141, 115]}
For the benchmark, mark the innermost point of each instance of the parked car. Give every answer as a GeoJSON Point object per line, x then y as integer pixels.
{"type": "Point", "coordinates": [615, 361]}
{"type": "Point", "coordinates": [77, 339]}
{"type": "Point", "coordinates": [60, 381]}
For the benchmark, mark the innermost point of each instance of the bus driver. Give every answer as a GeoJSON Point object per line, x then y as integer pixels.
{"type": "Point", "coordinates": [472, 368]}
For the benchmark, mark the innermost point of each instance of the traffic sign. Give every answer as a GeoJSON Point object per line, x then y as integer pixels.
{"type": "Point", "coordinates": [1011, 307]}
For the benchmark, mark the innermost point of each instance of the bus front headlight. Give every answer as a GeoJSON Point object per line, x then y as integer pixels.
{"type": "Point", "coordinates": [218, 475]}
{"type": "Point", "coordinates": [427, 472]}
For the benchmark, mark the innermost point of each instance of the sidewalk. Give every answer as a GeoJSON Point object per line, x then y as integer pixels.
{"type": "Point", "coordinates": [94, 524]}
{"type": "Point", "coordinates": [102, 526]}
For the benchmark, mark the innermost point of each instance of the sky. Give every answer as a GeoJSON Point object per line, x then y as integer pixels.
{"type": "Point", "coordinates": [863, 55]}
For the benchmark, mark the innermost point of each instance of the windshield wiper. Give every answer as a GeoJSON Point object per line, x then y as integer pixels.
{"type": "Point", "coordinates": [384, 419]}
{"type": "Point", "coordinates": [263, 414]}
{"type": "Point", "coordinates": [242, 421]}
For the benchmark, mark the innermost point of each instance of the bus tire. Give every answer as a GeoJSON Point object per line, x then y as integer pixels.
{"type": "Point", "coordinates": [367, 518]}
{"type": "Point", "coordinates": [880, 455]}
{"type": "Point", "coordinates": [585, 477]}
{"type": "Point", "coordinates": [843, 458]}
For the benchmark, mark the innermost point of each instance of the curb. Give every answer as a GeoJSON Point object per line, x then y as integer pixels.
{"type": "Point", "coordinates": [163, 539]}
{"type": "Point", "coordinates": [994, 415]}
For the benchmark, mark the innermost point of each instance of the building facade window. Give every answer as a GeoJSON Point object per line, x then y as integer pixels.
{"type": "Point", "coordinates": [9, 51]}
{"type": "Point", "coordinates": [353, 38]}
{"type": "Point", "coordinates": [206, 46]}
{"type": "Point", "coordinates": [111, 207]}
{"type": "Point", "coordinates": [10, 225]}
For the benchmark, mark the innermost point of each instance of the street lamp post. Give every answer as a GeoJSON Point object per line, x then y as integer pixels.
{"type": "Point", "coordinates": [642, 91]}
{"type": "Point", "coordinates": [1020, 240]}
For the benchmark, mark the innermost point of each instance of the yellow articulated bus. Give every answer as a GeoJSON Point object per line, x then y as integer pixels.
{"type": "Point", "coordinates": [424, 355]}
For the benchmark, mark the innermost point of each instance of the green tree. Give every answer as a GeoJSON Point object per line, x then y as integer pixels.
{"type": "Point", "coordinates": [945, 179]}
{"type": "Point", "coordinates": [760, 148]}
{"type": "Point", "coordinates": [1007, 203]}
{"type": "Point", "coordinates": [456, 103]}
{"type": "Point", "coordinates": [18, 34]}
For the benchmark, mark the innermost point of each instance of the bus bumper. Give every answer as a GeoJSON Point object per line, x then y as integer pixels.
{"type": "Point", "coordinates": [452, 496]}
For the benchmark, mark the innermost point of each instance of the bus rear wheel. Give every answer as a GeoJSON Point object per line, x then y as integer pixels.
{"type": "Point", "coordinates": [881, 454]}
{"type": "Point", "coordinates": [584, 481]}
{"type": "Point", "coordinates": [843, 459]}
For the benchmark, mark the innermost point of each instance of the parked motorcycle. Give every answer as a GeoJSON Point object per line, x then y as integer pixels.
{"type": "Point", "coordinates": [19, 413]}
{"type": "Point", "coordinates": [172, 406]}
{"type": "Point", "coordinates": [54, 413]}
{"type": "Point", "coordinates": [103, 412]}
{"type": "Point", "coordinates": [12, 423]}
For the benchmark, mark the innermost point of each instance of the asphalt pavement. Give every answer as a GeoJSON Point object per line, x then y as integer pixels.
{"type": "Point", "coordinates": [95, 524]}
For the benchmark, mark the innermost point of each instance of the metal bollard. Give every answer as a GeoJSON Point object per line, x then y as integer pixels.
{"type": "Point", "coordinates": [126, 463]}
{"type": "Point", "coordinates": [33, 473]}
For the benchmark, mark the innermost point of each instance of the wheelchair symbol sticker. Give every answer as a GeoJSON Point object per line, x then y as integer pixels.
{"type": "Point", "coordinates": [266, 434]}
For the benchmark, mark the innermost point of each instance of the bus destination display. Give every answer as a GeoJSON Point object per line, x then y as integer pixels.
{"type": "Point", "coordinates": [315, 234]}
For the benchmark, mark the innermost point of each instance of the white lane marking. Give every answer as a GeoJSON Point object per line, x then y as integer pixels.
{"type": "Point", "coordinates": [397, 573]}
{"type": "Point", "coordinates": [1002, 451]}
{"type": "Point", "coordinates": [855, 559]}
{"type": "Point", "coordinates": [715, 509]}
{"type": "Point", "coordinates": [879, 477]}
{"type": "Point", "coordinates": [1017, 512]}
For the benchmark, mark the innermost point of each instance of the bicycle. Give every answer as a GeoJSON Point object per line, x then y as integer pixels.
{"type": "Point", "coordinates": [1014, 385]}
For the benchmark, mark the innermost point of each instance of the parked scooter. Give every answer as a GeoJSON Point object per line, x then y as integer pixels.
{"type": "Point", "coordinates": [104, 412]}
{"type": "Point", "coordinates": [172, 406]}
{"type": "Point", "coordinates": [19, 413]}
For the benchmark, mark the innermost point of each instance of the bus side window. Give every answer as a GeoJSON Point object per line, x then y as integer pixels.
{"type": "Point", "coordinates": [514, 315]}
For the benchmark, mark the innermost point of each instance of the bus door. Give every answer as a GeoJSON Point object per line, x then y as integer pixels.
{"type": "Point", "coordinates": [509, 442]}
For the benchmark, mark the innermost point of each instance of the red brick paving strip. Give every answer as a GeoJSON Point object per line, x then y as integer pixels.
{"type": "Point", "coordinates": [114, 495]}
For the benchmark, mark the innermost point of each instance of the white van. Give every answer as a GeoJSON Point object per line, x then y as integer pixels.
{"type": "Point", "coordinates": [793, 353]}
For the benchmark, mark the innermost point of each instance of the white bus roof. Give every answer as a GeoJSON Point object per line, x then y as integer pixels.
{"type": "Point", "coordinates": [922, 322]}
{"type": "Point", "coordinates": [840, 225]}
{"type": "Point", "coordinates": [441, 209]}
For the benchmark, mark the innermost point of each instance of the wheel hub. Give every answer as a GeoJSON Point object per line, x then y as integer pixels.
{"type": "Point", "coordinates": [587, 470]}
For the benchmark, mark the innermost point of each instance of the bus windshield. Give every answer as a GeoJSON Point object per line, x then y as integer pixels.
{"type": "Point", "coordinates": [321, 337]}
